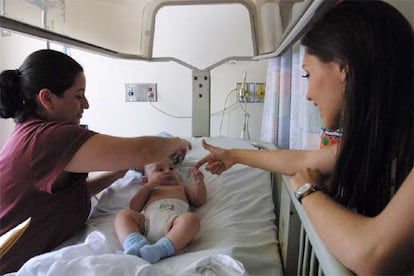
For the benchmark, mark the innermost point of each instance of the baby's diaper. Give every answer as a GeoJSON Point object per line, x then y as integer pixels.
{"type": "Point", "coordinates": [159, 216]}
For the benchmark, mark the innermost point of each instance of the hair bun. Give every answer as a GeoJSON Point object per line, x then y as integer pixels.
{"type": "Point", "coordinates": [11, 97]}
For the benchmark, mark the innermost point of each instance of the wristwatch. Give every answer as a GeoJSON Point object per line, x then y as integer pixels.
{"type": "Point", "coordinates": [305, 190]}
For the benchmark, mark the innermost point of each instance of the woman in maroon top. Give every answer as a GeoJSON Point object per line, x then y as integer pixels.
{"type": "Point", "coordinates": [45, 161]}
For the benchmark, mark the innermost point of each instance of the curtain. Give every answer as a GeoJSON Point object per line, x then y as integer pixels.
{"type": "Point", "coordinates": [289, 120]}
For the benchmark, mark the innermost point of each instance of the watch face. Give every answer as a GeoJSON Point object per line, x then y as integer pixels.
{"type": "Point", "coordinates": [304, 188]}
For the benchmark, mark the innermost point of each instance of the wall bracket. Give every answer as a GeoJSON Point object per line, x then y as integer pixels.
{"type": "Point", "coordinates": [201, 103]}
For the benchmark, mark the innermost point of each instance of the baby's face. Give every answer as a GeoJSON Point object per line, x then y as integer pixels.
{"type": "Point", "coordinates": [162, 171]}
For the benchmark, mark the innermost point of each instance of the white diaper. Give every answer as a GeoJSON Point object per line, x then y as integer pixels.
{"type": "Point", "coordinates": [159, 216]}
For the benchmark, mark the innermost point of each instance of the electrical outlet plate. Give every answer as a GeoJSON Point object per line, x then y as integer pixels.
{"type": "Point", "coordinates": [140, 92]}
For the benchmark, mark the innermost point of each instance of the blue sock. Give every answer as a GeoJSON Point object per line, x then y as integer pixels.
{"type": "Point", "coordinates": [133, 243]}
{"type": "Point", "coordinates": [155, 252]}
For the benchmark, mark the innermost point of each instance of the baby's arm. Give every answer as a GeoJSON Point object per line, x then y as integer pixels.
{"type": "Point", "coordinates": [139, 200]}
{"type": "Point", "coordinates": [197, 193]}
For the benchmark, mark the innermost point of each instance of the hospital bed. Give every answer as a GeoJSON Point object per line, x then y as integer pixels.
{"type": "Point", "coordinates": [250, 225]}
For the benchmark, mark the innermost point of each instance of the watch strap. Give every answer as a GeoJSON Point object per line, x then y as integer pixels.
{"type": "Point", "coordinates": [312, 188]}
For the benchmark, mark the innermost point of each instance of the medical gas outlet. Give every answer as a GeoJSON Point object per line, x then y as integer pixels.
{"type": "Point", "coordinates": [254, 92]}
{"type": "Point", "coordinates": [140, 92]}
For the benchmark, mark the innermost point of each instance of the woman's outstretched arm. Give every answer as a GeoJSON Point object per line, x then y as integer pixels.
{"type": "Point", "coordinates": [286, 162]}
{"type": "Point", "coordinates": [109, 153]}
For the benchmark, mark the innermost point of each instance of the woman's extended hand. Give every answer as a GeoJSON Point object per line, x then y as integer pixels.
{"type": "Point", "coordinates": [217, 161]}
{"type": "Point", "coordinates": [184, 146]}
{"type": "Point", "coordinates": [179, 154]}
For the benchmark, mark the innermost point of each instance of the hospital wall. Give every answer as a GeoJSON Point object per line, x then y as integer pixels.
{"type": "Point", "coordinates": [106, 77]}
{"type": "Point", "coordinates": [109, 112]}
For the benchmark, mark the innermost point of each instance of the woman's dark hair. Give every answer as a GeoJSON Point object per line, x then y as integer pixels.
{"type": "Point", "coordinates": [41, 69]}
{"type": "Point", "coordinates": [374, 42]}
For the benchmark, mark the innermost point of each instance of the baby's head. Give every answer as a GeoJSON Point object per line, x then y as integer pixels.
{"type": "Point", "coordinates": [162, 171]}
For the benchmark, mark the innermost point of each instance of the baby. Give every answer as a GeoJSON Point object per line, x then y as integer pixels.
{"type": "Point", "coordinates": [159, 222]}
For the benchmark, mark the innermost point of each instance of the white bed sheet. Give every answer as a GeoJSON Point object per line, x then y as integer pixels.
{"type": "Point", "coordinates": [237, 235]}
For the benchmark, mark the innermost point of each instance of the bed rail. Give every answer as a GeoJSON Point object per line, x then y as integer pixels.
{"type": "Point", "coordinates": [301, 249]}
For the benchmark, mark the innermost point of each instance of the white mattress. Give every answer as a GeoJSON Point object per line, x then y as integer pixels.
{"type": "Point", "coordinates": [237, 235]}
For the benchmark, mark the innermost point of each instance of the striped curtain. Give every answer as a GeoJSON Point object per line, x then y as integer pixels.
{"type": "Point", "coordinates": [289, 120]}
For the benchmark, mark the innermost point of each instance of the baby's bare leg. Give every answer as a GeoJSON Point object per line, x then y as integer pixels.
{"type": "Point", "coordinates": [128, 221]}
{"type": "Point", "coordinates": [129, 225]}
{"type": "Point", "coordinates": [183, 230]}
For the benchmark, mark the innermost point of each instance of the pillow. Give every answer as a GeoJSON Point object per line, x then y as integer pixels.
{"type": "Point", "coordinates": [117, 196]}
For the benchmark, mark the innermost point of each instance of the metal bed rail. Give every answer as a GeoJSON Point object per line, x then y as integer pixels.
{"type": "Point", "coordinates": [301, 249]}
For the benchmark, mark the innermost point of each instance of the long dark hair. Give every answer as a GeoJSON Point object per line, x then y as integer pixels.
{"type": "Point", "coordinates": [374, 42]}
{"type": "Point", "coordinates": [41, 69]}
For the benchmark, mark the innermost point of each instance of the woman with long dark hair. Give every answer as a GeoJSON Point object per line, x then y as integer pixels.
{"type": "Point", "coordinates": [359, 193]}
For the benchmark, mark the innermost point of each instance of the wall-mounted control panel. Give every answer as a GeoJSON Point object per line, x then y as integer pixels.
{"type": "Point", "coordinates": [140, 92]}
{"type": "Point", "coordinates": [253, 92]}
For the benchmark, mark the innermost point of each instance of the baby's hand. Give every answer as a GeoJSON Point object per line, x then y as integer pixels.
{"type": "Point", "coordinates": [155, 181]}
{"type": "Point", "coordinates": [198, 176]}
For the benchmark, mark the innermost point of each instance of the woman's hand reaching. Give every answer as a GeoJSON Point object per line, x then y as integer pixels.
{"type": "Point", "coordinates": [217, 161]}
{"type": "Point", "coordinates": [178, 155]}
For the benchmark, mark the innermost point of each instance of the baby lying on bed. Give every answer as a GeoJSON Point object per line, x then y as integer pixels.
{"type": "Point", "coordinates": [160, 210]}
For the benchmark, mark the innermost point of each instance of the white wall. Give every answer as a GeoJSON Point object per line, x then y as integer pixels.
{"type": "Point", "coordinates": [13, 50]}
{"type": "Point", "coordinates": [106, 77]}
{"type": "Point", "coordinates": [109, 113]}
{"type": "Point", "coordinates": [105, 90]}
